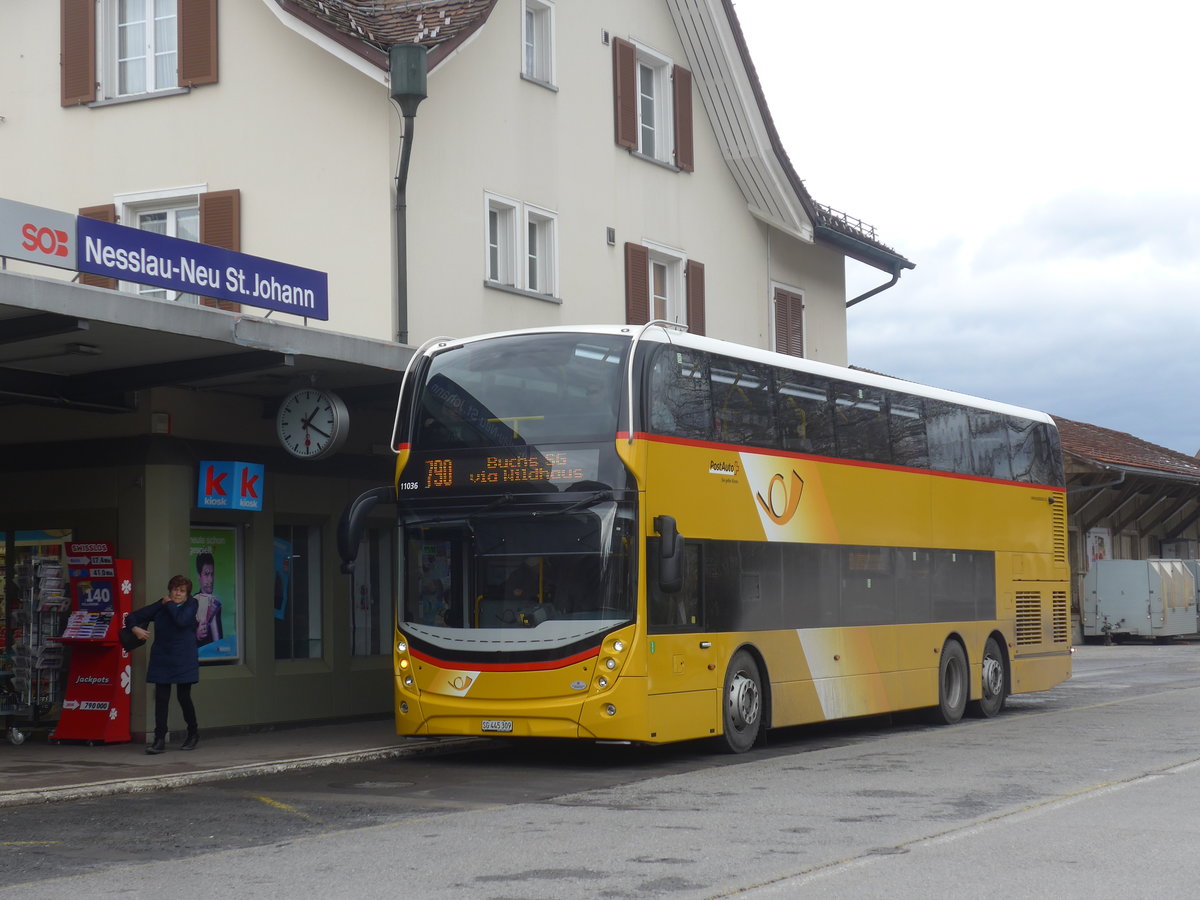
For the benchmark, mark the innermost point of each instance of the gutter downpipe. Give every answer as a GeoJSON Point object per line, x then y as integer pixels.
{"type": "Point", "coordinates": [879, 290]}
{"type": "Point", "coordinates": [406, 65]}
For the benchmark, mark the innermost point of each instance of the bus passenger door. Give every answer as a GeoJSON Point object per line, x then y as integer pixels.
{"type": "Point", "coordinates": [683, 672]}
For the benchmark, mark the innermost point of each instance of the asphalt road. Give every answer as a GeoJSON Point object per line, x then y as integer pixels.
{"type": "Point", "coordinates": [1089, 790]}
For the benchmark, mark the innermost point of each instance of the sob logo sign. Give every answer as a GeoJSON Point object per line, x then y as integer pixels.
{"type": "Point", "coordinates": [47, 240]}
{"type": "Point", "coordinates": [38, 235]}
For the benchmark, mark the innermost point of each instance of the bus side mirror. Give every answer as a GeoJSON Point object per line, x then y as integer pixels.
{"type": "Point", "coordinates": [354, 520]}
{"type": "Point", "coordinates": [670, 555]}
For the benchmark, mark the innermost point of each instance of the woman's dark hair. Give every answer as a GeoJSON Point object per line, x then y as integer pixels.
{"type": "Point", "coordinates": [177, 580]}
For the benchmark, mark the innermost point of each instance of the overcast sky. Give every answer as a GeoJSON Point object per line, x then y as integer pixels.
{"type": "Point", "coordinates": [1039, 163]}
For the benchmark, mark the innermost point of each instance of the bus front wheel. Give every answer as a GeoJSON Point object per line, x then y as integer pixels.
{"type": "Point", "coordinates": [995, 682]}
{"type": "Point", "coordinates": [743, 703]}
{"type": "Point", "coordinates": [953, 684]}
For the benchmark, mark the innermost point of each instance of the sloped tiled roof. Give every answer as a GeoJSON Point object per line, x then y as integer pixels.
{"type": "Point", "coordinates": [387, 22]}
{"type": "Point", "coordinates": [1102, 446]}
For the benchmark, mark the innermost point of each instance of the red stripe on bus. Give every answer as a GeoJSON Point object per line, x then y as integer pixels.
{"type": "Point", "coordinates": [508, 667]}
{"type": "Point", "coordinates": [837, 461]}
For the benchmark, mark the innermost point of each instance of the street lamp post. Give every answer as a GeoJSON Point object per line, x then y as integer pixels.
{"type": "Point", "coordinates": [406, 66]}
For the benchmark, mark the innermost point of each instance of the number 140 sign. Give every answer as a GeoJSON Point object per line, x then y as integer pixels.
{"type": "Point", "coordinates": [92, 572]}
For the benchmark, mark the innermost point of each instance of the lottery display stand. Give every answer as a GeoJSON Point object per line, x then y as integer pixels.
{"type": "Point", "coordinates": [96, 705]}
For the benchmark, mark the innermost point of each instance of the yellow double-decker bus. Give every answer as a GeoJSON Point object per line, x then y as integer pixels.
{"type": "Point", "coordinates": [635, 534]}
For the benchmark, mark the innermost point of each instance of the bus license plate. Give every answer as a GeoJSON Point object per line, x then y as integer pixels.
{"type": "Point", "coordinates": [502, 725]}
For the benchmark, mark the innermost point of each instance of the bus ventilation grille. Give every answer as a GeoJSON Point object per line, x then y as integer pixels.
{"type": "Point", "coordinates": [1058, 524]}
{"type": "Point", "coordinates": [1029, 618]}
{"type": "Point", "coordinates": [1061, 623]}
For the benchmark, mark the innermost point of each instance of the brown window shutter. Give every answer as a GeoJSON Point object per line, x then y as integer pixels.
{"type": "Point", "coordinates": [637, 284]}
{"type": "Point", "coordinates": [684, 152]}
{"type": "Point", "coordinates": [694, 274]}
{"type": "Point", "coordinates": [105, 213]}
{"type": "Point", "coordinates": [78, 51]}
{"type": "Point", "coordinates": [221, 226]}
{"type": "Point", "coordinates": [197, 26]}
{"type": "Point", "coordinates": [789, 323]}
{"type": "Point", "coordinates": [625, 93]}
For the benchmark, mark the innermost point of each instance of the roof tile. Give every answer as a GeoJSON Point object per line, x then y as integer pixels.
{"type": "Point", "coordinates": [1102, 445]}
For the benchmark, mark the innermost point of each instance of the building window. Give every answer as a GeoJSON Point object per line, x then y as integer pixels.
{"type": "Point", "coordinates": [538, 41]}
{"type": "Point", "coordinates": [297, 592]}
{"type": "Point", "coordinates": [173, 213]}
{"type": "Point", "coordinates": [501, 240]}
{"type": "Point", "coordinates": [666, 285]}
{"type": "Point", "coordinates": [653, 105]}
{"type": "Point", "coordinates": [140, 49]}
{"type": "Point", "coordinates": [654, 139]}
{"type": "Point", "coordinates": [662, 283]}
{"type": "Point", "coordinates": [172, 221]}
{"type": "Point", "coordinates": [540, 252]}
{"type": "Point", "coordinates": [535, 243]}
{"type": "Point", "coordinates": [127, 49]}
{"type": "Point", "coordinates": [372, 613]}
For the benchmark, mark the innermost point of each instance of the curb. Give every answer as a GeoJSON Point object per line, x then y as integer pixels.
{"type": "Point", "coordinates": [225, 773]}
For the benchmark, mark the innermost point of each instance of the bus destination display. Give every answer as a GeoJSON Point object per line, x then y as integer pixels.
{"type": "Point", "coordinates": [559, 467]}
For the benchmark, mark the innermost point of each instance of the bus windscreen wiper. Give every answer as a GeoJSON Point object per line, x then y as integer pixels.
{"type": "Point", "coordinates": [582, 503]}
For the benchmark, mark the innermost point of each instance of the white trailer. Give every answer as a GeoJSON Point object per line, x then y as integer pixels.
{"type": "Point", "coordinates": [1139, 598]}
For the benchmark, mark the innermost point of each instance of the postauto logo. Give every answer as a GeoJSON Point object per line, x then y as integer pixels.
{"type": "Point", "coordinates": [36, 234]}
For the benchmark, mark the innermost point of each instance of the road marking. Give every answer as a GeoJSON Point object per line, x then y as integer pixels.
{"type": "Point", "coordinates": [29, 843]}
{"type": "Point", "coordinates": [785, 886]}
{"type": "Point", "coordinates": [285, 807]}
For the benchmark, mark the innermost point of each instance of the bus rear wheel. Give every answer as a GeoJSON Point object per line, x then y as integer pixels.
{"type": "Point", "coordinates": [953, 685]}
{"type": "Point", "coordinates": [742, 703]}
{"type": "Point", "coordinates": [995, 682]}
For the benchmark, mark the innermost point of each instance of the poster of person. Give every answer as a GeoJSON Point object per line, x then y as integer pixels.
{"type": "Point", "coordinates": [1099, 543]}
{"type": "Point", "coordinates": [283, 575]}
{"type": "Point", "coordinates": [214, 567]}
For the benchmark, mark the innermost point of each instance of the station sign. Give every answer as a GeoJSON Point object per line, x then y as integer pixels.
{"type": "Point", "coordinates": [54, 238]}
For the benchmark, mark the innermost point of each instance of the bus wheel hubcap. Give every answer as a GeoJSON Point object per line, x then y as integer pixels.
{"type": "Point", "coordinates": [993, 676]}
{"type": "Point", "coordinates": [743, 701]}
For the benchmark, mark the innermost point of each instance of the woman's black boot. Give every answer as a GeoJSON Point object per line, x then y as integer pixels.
{"type": "Point", "coordinates": [159, 745]}
{"type": "Point", "coordinates": [191, 741]}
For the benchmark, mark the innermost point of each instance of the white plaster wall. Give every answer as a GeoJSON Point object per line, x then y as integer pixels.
{"type": "Point", "coordinates": [302, 135]}
{"type": "Point", "coordinates": [313, 144]}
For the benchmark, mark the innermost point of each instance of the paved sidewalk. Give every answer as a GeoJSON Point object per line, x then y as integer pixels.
{"type": "Point", "coordinates": [37, 771]}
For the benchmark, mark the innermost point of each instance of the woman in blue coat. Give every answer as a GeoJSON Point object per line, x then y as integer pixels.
{"type": "Point", "coordinates": [173, 657]}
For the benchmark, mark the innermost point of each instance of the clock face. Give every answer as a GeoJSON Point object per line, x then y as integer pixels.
{"type": "Point", "coordinates": [312, 423]}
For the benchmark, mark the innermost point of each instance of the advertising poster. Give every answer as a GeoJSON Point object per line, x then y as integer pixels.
{"type": "Point", "coordinates": [213, 567]}
{"type": "Point", "coordinates": [1099, 545]}
{"type": "Point", "coordinates": [283, 575]}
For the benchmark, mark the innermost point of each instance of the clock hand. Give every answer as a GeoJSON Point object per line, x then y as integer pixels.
{"type": "Point", "coordinates": [317, 430]}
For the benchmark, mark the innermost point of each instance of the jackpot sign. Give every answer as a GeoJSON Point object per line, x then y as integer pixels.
{"type": "Point", "coordinates": [66, 241]}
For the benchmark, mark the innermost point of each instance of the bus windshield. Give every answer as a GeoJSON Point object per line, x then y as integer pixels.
{"type": "Point", "coordinates": [557, 578]}
{"type": "Point", "coordinates": [522, 390]}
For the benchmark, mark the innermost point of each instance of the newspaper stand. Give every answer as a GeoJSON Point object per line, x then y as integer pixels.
{"type": "Point", "coordinates": [96, 706]}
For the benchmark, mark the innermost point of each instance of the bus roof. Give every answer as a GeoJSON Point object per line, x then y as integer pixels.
{"type": "Point", "coordinates": [667, 334]}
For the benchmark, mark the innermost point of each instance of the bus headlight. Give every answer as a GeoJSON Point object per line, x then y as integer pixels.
{"type": "Point", "coordinates": [402, 647]}
{"type": "Point", "coordinates": [408, 681]}
{"type": "Point", "coordinates": [602, 681]}
{"type": "Point", "coordinates": [610, 710]}
{"type": "Point", "coordinates": [404, 663]}
{"type": "Point", "coordinates": [610, 663]}
{"type": "Point", "coordinates": [618, 645]}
